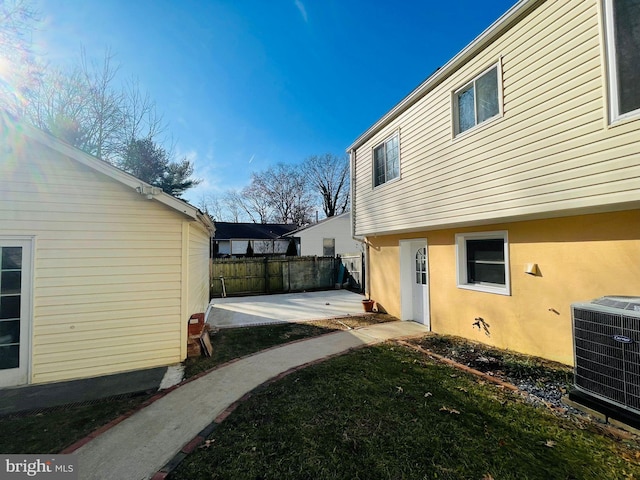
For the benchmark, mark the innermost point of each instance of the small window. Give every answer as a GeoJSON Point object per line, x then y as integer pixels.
{"type": "Point", "coordinates": [623, 56]}
{"type": "Point", "coordinates": [329, 247]}
{"type": "Point", "coordinates": [421, 266]}
{"type": "Point", "coordinates": [386, 161]}
{"type": "Point", "coordinates": [483, 262]}
{"type": "Point", "coordinates": [477, 102]}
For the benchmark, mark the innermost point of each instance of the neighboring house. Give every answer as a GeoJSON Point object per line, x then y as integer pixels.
{"type": "Point", "coordinates": [233, 239]}
{"type": "Point", "coordinates": [507, 185]}
{"type": "Point", "coordinates": [328, 238]}
{"type": "Point", "coordinates": [100, 272]}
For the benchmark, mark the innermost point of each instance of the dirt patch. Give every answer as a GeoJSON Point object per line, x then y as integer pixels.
{"type": "Point", "coordinates": [544, 381]}
{"type": "Point", "coordinates": [355, 321]}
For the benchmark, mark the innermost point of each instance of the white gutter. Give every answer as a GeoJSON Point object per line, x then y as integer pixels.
{"type": "Point", "coordinates": [496, 28]}
{"type": "Point", "coordinates": [352, 187]}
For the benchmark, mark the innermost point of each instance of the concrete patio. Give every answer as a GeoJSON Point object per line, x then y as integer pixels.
{"type": "Point", "coordinates": [282, 308]}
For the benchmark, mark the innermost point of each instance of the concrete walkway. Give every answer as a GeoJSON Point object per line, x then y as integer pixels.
{"type": "Point", "coordinates": [284, 307]}
{"type": "Point", "coordinates": [142, 444]}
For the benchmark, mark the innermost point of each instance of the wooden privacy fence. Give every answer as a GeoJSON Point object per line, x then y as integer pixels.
{"type": "Point", "coordinates": [255, 275]}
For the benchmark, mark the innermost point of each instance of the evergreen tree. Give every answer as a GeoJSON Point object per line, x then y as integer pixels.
{"type": "Point", "coordinates": [151, 163]}
{"type": "Point", "coordinates": [292, 250]}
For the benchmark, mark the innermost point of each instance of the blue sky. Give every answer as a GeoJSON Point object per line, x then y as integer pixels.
{"type": "Point", "coordinates": [245, 84]}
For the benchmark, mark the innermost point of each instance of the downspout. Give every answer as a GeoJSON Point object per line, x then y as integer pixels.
{"type": "Point", "coordinates": [352, 186]}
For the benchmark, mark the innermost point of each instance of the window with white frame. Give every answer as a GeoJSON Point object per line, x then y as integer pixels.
{"type": "Point", "coordinates": [623, 56]}
{"type": "Point", "coordinates": [477, 102]}
{"type": "Point", "coordinates": [483, 262]}
{"type": "Point", "coordinates": [386, 161]}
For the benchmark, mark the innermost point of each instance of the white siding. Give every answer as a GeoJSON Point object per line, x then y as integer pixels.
{"type": "Point", "coordinates": [338, 227]}
{"type": "Point", "coordinates": [550, 154]}
{"type": "Point", "coordinates": [108, 271]}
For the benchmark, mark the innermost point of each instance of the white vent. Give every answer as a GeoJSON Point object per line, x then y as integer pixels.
{"type": "Point", "coordinates": [606, 335]}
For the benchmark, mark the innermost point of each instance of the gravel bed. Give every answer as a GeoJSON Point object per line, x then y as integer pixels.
{"type": "Point", "coordinates": [543, 383]}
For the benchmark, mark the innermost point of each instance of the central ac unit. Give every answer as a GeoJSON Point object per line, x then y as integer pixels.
{"type": "Point", "coordinates": [606, 335]}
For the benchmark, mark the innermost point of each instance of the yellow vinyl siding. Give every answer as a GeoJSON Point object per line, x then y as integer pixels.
{"type": "Point", "coordinates": [85, 325]}
{"type": "Point", "coordinates": [108, 267]}
{"type": "Point", "coordinates": [549, 153]}
{"type": "Point", "coordinates": [199, 240]}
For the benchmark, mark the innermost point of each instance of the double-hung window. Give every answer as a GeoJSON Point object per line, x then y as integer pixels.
{"type": "Point", "coordinates": [477, 102]}
{"type": "Point", "coordinates": [329, 247]}
{"type": "Point", "coordinates": [386, 161]}
{"type": "Point", "coordinates": [483, 262]}
{"type": "Point", "coordinates": [623, 57]}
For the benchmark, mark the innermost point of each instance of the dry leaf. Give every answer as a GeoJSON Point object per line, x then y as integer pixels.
{"type": "Point", "coordinates": [449, 410]}
{"type": "Point", "coordinates": [207, 443]}
{"type": "Point", "coordinates": [550, 443]}
{"type": "Point", "coordinates": [462, 389]}
{"type": "Point", "coordinates": [400, 390]}
{"type": "Point", "coordinates": [428, 394]}
{"type": "Point", "coordinates": [487, 477]}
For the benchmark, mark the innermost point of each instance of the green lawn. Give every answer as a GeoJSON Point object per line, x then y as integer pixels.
{"type": "Point", "coordinates": [231, 343]}
{"type": "Point", "coordinates": [50, 431]}
{"type": "Point", "coordinates": [382, 412]}
{"type": "Point", "coordinates": [53, 430]}
{"type": "Point", "coordinates": [390, 413]}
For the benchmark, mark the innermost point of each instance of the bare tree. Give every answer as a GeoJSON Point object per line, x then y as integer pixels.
{"type": "Point", "coordinates": [286, 190]}
{"type": "Point", "coordinates": [256, 204]}
{"type": "Point", "coordinates": [140, 118]}
{"type": "Point", "coordinates": [329, 176]}
{"type": "Point", "coordinates": [81, 106]}
{"type": "Point", "coordinates": [60, 106]}
{"type": "Point", "coordinates": [232, 204]}
{"type": "Point", "coordinates": [19, 69]}
{"type": "Point", "coordinates": [85, 107]}
{"type": "Point", "coordinates": [227, 207]}
{"type": "Point", "coordinates": [105, 106]}
{"type": "Point", "coordinates": [211, 205]}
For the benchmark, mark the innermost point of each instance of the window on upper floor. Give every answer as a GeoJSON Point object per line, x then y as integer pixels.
{"type": "Point", "coordinates": [623, 57]}
{"type": "Point", "coordinates": [483, 262]}
{"type": "Point", "coordinates": [477, 102]}
{"type": "Point", "coordinates": [386, 160]}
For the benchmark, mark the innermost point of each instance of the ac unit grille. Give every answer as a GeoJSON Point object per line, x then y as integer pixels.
{"type": "Point", "coordinates": [607, 353]}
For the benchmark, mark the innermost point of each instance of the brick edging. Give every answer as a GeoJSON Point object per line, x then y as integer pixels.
{"type": "Point", "coordinates": [199, 439]}
{"type": "Point", "coordinates": [460, 366]}
{"type": "Point", "coordinates": [102, 429]}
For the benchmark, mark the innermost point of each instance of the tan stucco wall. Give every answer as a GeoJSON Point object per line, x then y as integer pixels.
{"type": "Point", "coordinates": [580, 258]}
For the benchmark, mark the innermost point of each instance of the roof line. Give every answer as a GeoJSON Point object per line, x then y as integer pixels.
{"type": "Point", "coordinates": [312, 225]}
{"type": "Point", "coordinates": [106, 168]}
{"type": "Point", "coordinates": [496, 28]}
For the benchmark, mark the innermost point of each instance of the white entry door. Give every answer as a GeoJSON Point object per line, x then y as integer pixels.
{"type": "Point", "coordinates": [15, 310]}
{"type": "Point", "coordinates": [414, 269]}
